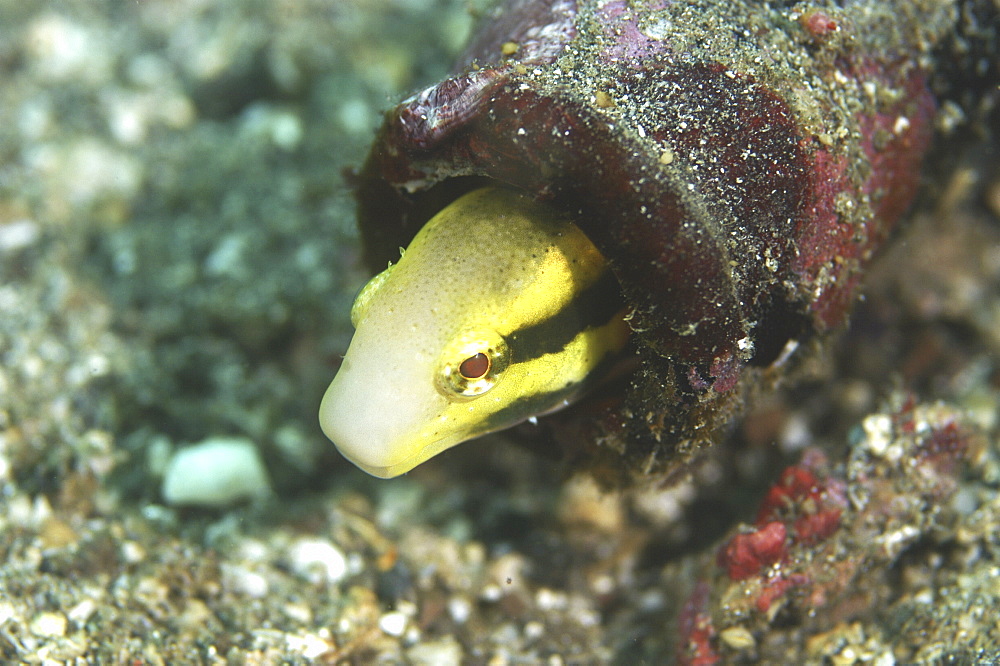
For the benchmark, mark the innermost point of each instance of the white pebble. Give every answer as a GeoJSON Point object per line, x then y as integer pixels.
{"type": "Point", "coordinates": [317, 561]}
{"type": "Point", "coordinates": [301, 613]}
{"type": "Point", "coordinates": [18, 234]}
{"type": "Point", "coordinates": [460, 609]}
{"type": "Point", "coordinates": [491, 592]}
{"type": "Point", "coordinates": [7, 611]}
{"type": "Point", "coordinates": [443, 652]}
{"type": "Point", "coordinates": [216, 473]}
{"type": "Point", "coordinates": [241, 580]}
{"type": "Point", "coordinates": [534, 630]}
{"type": "Point", "coordinates": [132, 552]}
{"type": "Point", "coordinates": [286, 130]}
{"type": "Point", "coordinates": [50, 625]}
{"type": "Point", "coordinates": [80, 613]}
{"type": "Point", "coordinates": [878, 433]}
{"type": "Point", "coordinates": [550, 599]}
{"type": "Point", "coordinates": [128, 121]}
{"type": "Point", "coordinates": [393, 623]}
{"type": "Point", "coordinates": [311, 646]}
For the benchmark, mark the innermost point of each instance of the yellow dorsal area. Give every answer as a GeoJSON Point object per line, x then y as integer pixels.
{"type": "Point", "coordinates": [499, 310]}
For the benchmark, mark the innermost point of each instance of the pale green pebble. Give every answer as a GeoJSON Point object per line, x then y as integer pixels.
{"type": "Point", "coordinates": [455, 30]}
{"type": "Point", "coordinates": [228, 257]}
{"type": "Point", "coordinates": [159, 453]}
{"type": "Point", "coordinates": [296, 448]}
{"type": "Point", "coordinates": [35, 118]}
{"type": "Point", "coordinates": [149, 70]}
{"type": "Point", "coordinates": [216, 472]}
{"type": "Point", "coordinates": [355, 115]}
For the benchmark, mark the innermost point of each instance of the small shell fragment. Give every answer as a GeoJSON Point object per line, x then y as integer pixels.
{"type": "Point", "coordinates": [737, 638]}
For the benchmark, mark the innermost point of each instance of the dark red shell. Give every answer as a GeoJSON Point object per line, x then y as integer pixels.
{"type": "Point", "coordinates": [736, 165]}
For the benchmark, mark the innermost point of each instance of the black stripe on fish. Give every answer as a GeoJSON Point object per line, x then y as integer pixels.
{"type": "Point", "coordinates": [593, 308]}
{"type": "Point", "coordinates": [539, 403]}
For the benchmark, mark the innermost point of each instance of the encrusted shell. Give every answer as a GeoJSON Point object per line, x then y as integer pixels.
{"type": "Point", "coordinates": [738, 165]}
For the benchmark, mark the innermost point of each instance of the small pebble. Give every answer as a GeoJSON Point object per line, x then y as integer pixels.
{"type": "Point", "coordinates": [878, 433]}
{"type": "Point", "coordinates": [299, 612]}
{"type": "Point", "coordinates": [550, 599]}
{"type": "Point", "coordinates": [737, 638]}
{"type": "Point", "coordinates": [491, 592]}
{"type": "Point", "coordinates": [885, 659]}
{"type": "Point", "coordinates": [317, 561]}
{"type": "Point", "coordinates": [217, 472]}
{"type": "Point", "coordinates": [132, 552]}
{"type": "Point", "coordinates": [6, 612]}
{"type": "Point", "coordinates": [534, 630]}
{"type": "Point", "coordinates": [80, 613]}
{"type": "Point", "coordinates": [460, 609]}
{"type": "Point", "coordinates": [311, 646]}
{"type": "Point", "coordinates": [18, 234]}
{"type": "Point", "coordinates": [241, 580]}
{"type": "Point", "coordinates": [196, 613]}
{"type": "Point", "coordinates": [61, 49]}
{"type": "Point", "coordinates": [444, 652]}
{"type": "Point", "coordinates": [49, 625]}
{"type": "Point", "coordinates": [393, 623]}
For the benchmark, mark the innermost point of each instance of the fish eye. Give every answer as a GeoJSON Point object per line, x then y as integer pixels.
{"type": "Point", "coordinates": [472, 366]}
{"type": "Point", "coordinates": [475, 366]}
